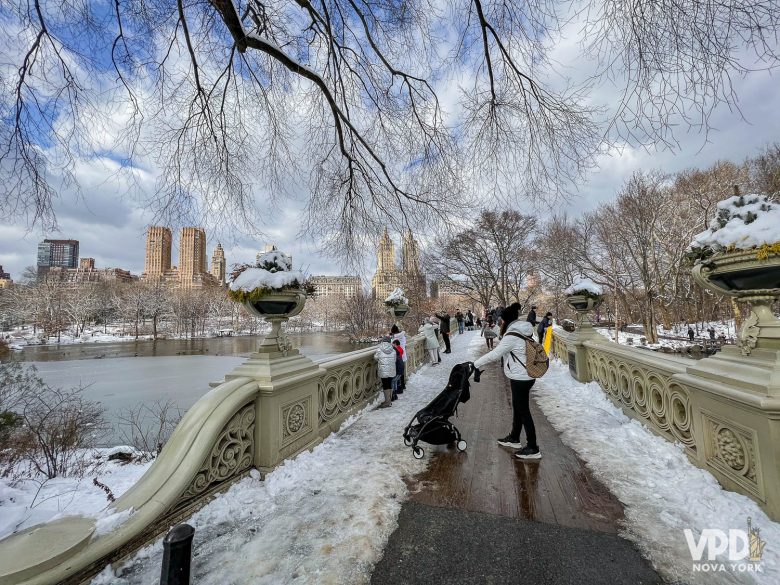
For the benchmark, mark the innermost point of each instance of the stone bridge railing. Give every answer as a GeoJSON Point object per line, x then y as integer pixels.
{"type": "Point", "coordinates": [270, 408]}
{"type": "Point", "coordinates": [715, 408]}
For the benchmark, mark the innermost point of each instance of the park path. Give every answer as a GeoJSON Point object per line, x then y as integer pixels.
{"type": "Point", "coordinates": [484, 517]}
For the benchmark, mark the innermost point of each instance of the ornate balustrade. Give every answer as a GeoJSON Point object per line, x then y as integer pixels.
{"type": "Point", "coordinates": [272, 407]}
{"type": "Point", "coordinates": [726, 425]}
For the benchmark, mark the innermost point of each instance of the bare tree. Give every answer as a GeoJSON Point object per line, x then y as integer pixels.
{"type": "Point", "coordinates": [226, 95]}
{"type": "Point", "coordinates": [489, 261]}
{"type": "Point", "coordinates": [147, 427]}
{"type": "Point", "coordinates": [55, 424]}
{"type": "Point", "coordinates": [361, 316]}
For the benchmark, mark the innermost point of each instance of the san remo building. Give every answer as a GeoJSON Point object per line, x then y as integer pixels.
{"type": "Point", "coordinates": [389, 274]}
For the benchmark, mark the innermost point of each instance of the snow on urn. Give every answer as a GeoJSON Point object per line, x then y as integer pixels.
{"type": "Point", "coordinates": [739, 255]}
{"type": "Point", "coordinates": [397, 303]}
{"type": "Point", "coordinates": [271, 289]}
{"type": "Point", "coordinates": [584, 296]}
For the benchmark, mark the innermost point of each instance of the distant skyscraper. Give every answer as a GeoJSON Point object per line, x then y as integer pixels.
{"type": "Point", "coordinates": [413, 276]}
{"type": "Point", "coordinates": [158, 251]}
{"type": "Point", "coordinates": [57, 253]}
{"type": "Point", "coordinates": [5, 279]}
{"type": "Point", "coordinates": [387, 275]}
{"type": "Point", "coordinates": [218, 264]}
{"type": "Point", "coordinates": [192, 255]}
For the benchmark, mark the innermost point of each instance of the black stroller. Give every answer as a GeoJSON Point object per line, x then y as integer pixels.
{"type": "Point", "coordinates": [433, 425]}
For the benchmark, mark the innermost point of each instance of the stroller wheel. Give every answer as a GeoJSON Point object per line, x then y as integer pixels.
{"type": "Point", "coordinates": [418, 452]}
{"type": "Point", "coordinates": [461, 445]}
{"type": "Point", "coordinates": [407, 441]}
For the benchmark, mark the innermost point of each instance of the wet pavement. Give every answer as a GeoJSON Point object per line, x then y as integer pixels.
{"type": "Point", "coordinates": [482, 516]}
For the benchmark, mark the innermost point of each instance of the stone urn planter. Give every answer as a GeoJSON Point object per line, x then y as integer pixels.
{"type": "Point", "coordinates": [584, 304]}
{"type": "Point", "coordinates": [397, 304]}
{"type": "Point", "coordinates": [584, 296]}
{"type": "Point", "coordinates": [272, 290]}
{"type": "Point", "coordinates": [399, 310]}
{"type": "Point", "coordinates": [751, 276]}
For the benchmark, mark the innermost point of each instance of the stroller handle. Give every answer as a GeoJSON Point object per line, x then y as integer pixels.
{"type": "Point", "coordinates": [472, 370]}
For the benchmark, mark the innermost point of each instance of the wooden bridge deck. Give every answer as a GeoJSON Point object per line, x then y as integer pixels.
{"type": "Point", "coordinates": [557, 489]}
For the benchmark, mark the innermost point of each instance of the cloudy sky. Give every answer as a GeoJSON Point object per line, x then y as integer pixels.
{"type": "Point", "coordinates": [111, 225]}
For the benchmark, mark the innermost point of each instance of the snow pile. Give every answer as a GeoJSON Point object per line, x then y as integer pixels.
{"type": "Point", "coordinates": [583, 285]}
{"type": "Point", "coordinates": [322, 517]}
{"type": "Point", "coordinates": [274, 261]}
{"type": "Point", "coordinates": [743, 222]}
{"type": "Point", "coordinates": [273, 270]}
{"type": "Point", "coordinates": [396, 298]}
{"type": "Point", "coordinates": [663, 493]}
{"type": "Point", "coordinates": [259, 278]}
{"type": "Point", "coordinates": [29, 501]}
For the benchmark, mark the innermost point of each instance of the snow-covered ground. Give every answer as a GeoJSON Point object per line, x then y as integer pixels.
{"type": "Point", "coordinates": [26, 502]}
{"type": "Point", "coordinates": [623, 338]}
{"type": "Point", "coordinates": [325, 516]}
{"type": "Point", "coordinates": [726, 328]}
{"type": "Point", "coordinates": [19, 338]}
{"type": "Point", "coordinates": [322, 517]}
{"type": "Point", "coordinates": [663, 493]}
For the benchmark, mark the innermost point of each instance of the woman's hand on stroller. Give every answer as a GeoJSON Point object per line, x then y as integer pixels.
{"type": "Point", "coordinates": [473, 371]}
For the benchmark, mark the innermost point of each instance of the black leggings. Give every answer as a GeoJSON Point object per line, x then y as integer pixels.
{"type": "Point", "coordinates": [521, 411]}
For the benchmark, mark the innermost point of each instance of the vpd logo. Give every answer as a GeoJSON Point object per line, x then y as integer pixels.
{"type": "Point", "coordinates": [744, 548]}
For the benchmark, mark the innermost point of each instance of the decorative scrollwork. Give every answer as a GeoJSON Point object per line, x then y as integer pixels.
{"type": "Point", "coordinates": [346, 386]}
{"type": "Point", "coordinates": [232, 454]}
{"type": "Point", "coordinates": [748, 335]}
{"type": "Point", "coordinates": [646, 393]}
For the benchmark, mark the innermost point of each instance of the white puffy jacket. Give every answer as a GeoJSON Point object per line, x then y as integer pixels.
{"type": "Point", "coordinates": [513, 369]}
{"type": "Point", "coordinates": [385, 358]}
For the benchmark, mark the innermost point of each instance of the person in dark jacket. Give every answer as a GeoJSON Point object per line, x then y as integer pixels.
{"type": "Point", "coordinates": [543, 325]}
{"type": "Point", "coordinates": [444, 329]}
{"type": "Point", "coordinates": [532, 317]}
{"type": "Point", "coordinates": [469, 320]}
{"type": "Point", "coordinates": [690, 333]}
{"type": "Point", "coordinates": [460, 319]}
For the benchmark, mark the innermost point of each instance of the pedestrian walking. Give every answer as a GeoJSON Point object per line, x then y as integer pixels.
{"type": "Point", "coordinates": [543, 325]}
{"type": "Point", "coordinates": [385, 359]}
{"type": "Point", "coordinates": [444, 327]}
{"type": "Point", "coordinates": [431, 341]}
{"type": "Point", "coordinates": [469, 320]}
{"type": "Point", "coordinates": [531, 318]}
{"type": "Point", "coordinates": [489, 332]}
{"type": "Point", "coordinates": [399, 369]}
{"type": "Point", "coordinates": [400, 336]}
{"type": "Point", "coordinates": [511, 351]}
{"type": "Point", "coordinates": [711, 332]}
{"type": "Point", "coordinates": [461, 322]}
{"type": "Point", "coordinates": [691, 333]}
{"type": "Point", "coordinates": [479, 323]}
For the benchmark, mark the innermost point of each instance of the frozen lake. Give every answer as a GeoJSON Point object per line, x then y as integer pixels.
{"type": "Point", "coordinates": [120, 383]}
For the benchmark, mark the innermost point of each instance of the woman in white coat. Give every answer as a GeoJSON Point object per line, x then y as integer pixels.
{"type": "Point", "coordinates": [385, 359]}
{"type": "Point", "coordinates": [512, 349]}
{"type": "Point", "coordinates": [431, 341]}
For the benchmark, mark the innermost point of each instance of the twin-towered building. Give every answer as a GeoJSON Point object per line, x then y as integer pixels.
{"type": "Point", "coordinates": [192, 271]}
{"type": "Point", "coordinates": [389, 274]}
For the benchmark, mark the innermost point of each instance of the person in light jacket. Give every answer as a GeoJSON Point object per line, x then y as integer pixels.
{"type": "Point", "coordinates": [431, 341]}
{"type": "Point", "coordinates": [396, 333]}
{"type": "Point", "coordinates": [511, 350]}
{"type": "Point", "coordinates": [385, 359]}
